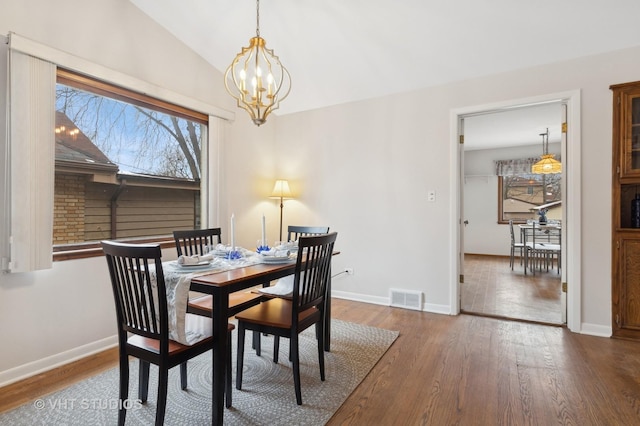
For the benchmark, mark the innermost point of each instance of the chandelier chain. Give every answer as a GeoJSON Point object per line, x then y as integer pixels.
{"type": "Point", "coordinates": [257, 18]}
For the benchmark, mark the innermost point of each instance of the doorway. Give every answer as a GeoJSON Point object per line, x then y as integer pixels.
{"type": "Point", "coordinates": [513, 139]}
{"type": "Point", "coordinates": [571, 220]}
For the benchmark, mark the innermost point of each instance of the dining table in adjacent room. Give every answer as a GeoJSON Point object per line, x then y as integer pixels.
{"type": "Point", "coordinates": [220, 285]}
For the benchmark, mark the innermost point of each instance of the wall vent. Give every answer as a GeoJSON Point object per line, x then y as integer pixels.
{"type": "Point", "coordinates": [407, 299]}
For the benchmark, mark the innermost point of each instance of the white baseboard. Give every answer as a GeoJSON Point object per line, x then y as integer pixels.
{"type": "Point", "coordinates": [377, 300]}
{"type": "Point", "coordinates": [36, 367]}
{"type": "Point", "coordinates": [596, 330]}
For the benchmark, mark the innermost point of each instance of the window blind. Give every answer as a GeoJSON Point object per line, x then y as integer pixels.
{"type": "Point", "coordinates": [31, 153]}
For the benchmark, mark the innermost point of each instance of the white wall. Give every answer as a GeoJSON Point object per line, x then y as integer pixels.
{"type": "Point", "coordinates": [362, 168]}
{"type": "Point", "coordinates": [366, 167]}
{"type": "Point", "coordinates": [483, 234]}
{"type": "Point", "coordinates": [50, 317]}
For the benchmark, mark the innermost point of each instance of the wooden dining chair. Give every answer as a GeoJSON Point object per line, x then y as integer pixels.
{"type": "Point", "coordinates": [289, 317]}
{"type": "Point", "coordinates": [193, 242]}
{"type": "Point", "coordinates": [295, 231]}
{"type": "Point", "coordinates": [143, 323]}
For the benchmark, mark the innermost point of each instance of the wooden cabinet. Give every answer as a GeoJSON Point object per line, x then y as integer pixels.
{"type": "Point", "coordinates": [625, 226]}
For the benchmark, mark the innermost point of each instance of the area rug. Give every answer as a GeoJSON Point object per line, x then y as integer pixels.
{"type": "Point", "coordinates": [267, 396]}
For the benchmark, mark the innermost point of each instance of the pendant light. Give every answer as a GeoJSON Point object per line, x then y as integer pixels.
{"type": "Point", "coordinates": [256, 78]}
{"type": "Point", "coordinates": [547, 164]}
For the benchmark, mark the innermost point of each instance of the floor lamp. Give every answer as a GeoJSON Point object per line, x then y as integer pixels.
{"type": "Point", "coordinates": [281, 191]}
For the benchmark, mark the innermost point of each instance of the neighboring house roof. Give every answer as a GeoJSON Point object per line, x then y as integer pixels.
{"type": "Point", "coordinates": [74, 148]}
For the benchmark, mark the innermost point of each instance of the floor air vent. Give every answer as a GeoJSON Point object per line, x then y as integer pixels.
{"type": "Point", "coordinates": [407, 299]}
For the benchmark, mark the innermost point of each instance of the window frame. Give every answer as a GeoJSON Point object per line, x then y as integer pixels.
{"type": "Point", "coordinates": [81, 81]}
{"type": "Point", "coordinates": [501, 219]}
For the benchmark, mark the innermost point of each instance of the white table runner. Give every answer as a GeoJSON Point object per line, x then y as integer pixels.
{"type": "Point", "coordinates": [188, 328]}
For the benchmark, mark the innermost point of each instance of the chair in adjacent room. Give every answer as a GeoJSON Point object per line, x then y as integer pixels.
{"type": "Point", "coordinates": [143, 323]}
{"type": "Point", "coordinates": [520, 246]}
{"type": "Point", "coordinates": [545, 248]}
{"type": "Point", "coordinates": [193, 242]}
{"type": "Point", "coordinates": [289, 317]}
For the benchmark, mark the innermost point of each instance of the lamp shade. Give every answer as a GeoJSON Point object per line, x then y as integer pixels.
{"type": "Point", "coordinates": [547, 165]}
{"type": "Point", "coordinates": [281, 190]}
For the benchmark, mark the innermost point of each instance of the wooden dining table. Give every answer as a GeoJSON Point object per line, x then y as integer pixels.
{"type": "Point", "coordinates": [220, 285]}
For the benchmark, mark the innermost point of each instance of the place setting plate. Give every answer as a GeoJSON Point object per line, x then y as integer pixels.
{"type": "Point", "coordinates": [203, 264]}
{"type": "Point", "coordinates": [277, 259]}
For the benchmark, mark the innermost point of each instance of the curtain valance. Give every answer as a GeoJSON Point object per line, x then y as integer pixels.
{"type": "Point", "coordinates": [516, 167]}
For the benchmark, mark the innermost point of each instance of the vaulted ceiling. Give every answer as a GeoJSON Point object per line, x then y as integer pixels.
{"type": "Point", "coordinates": [340, 51]}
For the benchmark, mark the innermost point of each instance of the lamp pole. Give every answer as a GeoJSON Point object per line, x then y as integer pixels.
{"type": "Point", "coordinates": [281, 207]}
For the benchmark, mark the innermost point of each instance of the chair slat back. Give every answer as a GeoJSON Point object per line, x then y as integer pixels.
{"type": "Point", "coordinates": [139, 308]}
{"type": "Point", "coordinates": [294, 232]}
{"type": "Point", "coordinates": [547, 235]}
{"type": "Point", "coordinates": [513, 237]}
{"type": "Point", "coordinates": [193, 241]}
{"type": "Point", "coordinates": [313, 269]}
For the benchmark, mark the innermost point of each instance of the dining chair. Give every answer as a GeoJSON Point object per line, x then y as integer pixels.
{"type": "Point", "coordinates": [543, 245]}
{"type": "Point", "coordinates": [520, 246]}
{"type": "Point", "coordinates": [193, 242]}
{"type": "Point", "coordinates": [143, 324]}
{"type": "Point", "coordinates": [296, 231]}
{"type": "Point", "coordinates": [289, 317]}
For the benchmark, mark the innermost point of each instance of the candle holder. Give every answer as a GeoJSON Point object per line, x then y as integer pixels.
{"type": "Point", "coordinates": [260, 246]}
{"type": "Point", "coordinates": [234, 255]}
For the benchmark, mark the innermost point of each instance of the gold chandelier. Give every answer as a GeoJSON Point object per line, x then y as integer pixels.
{"type": "Point", "coordinates": [256, 78]}
{"type": "Point", "coordinates": [547, 164]}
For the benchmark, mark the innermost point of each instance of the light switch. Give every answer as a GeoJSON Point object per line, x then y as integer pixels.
{"type": "Point", "coordinates": [431, 195]}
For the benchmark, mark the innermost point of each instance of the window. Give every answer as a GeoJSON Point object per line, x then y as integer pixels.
{"type": "Point", "coordinates": [127, 166]}
{"type": "Point", "coordinates": [521, 195]}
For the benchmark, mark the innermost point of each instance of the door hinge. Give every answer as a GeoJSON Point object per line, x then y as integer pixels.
{"type": "Point", "coordinates": [461, 279]}
{"type": "Point", "coordinates": [462, 139]}
{"type": "Point", "coordinates": [618, 320]}
{"type": "Point", "coordinates": [564, 127]}
{"type": "Point", "coordinates": [564, 287]}
{"type": "Point", "coordinates": [617, 244]}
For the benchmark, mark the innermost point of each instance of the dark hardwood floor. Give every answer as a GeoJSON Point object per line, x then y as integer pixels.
{"type": "Point", "coordinates": [491, 288]}
{"type": "Point", "coordinates": [463, 370]}
{"type": "Point", "coordinates": [473, 370]}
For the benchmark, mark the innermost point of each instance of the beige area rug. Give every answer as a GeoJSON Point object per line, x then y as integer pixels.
{"type": "Point", "coordinates": [267, 397]}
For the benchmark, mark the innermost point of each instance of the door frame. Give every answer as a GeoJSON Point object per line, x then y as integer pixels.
{"type": "Point", "coordinates": [571, 216]}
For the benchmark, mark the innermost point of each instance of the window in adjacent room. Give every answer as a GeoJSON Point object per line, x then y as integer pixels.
{"type": "Point", "coordinates": [521, 195]}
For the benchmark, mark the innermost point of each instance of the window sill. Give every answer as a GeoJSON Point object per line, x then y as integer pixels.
{"type": "Point", "coordinates": [83, 251]}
